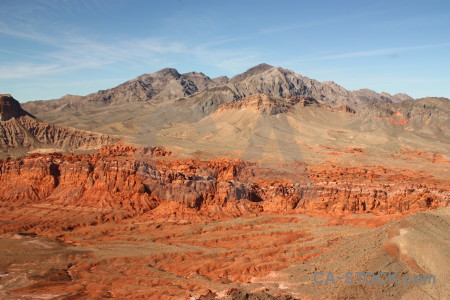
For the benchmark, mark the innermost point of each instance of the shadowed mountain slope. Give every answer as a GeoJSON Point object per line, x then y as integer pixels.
{"type": "Point", "coordinates": [21, 132]}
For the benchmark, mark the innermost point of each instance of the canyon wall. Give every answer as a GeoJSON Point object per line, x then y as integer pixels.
{"type": "Point", "coordinates": [143, 179]}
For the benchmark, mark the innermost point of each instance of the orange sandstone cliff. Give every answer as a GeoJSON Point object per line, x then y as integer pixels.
{"type": "Point", "coordinates": [137, 180]}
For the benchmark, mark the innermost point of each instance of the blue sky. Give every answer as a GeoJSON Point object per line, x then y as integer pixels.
{"type": "Point", "coordinates": [49, 48]}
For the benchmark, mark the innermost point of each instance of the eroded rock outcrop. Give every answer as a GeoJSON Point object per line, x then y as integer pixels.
{"type": "Point", "coordinates": [10, 108]}
{"type": "Point", "coordinates": [141, 179]}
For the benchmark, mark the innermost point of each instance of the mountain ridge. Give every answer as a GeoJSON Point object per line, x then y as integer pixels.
{"type": "Point", "coordinates": [21, 132]}
{"type": "Point", "coordinates": [168, 83]}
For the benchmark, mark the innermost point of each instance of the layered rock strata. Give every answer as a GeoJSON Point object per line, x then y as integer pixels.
{"type": "Point", "coordinates": [143, 179]}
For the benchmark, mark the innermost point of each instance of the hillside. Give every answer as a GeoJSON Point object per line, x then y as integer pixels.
{"type": "Point", "coordinates": [21, 132]}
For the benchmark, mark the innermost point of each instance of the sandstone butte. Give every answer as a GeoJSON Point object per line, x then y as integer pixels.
{"type": "Point", "coordinates": [138, 180]}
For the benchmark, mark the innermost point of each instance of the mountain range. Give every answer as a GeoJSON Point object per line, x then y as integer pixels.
{"type": "Point", "coordinates": [267, 113]}
{"type": "Point", "coordinates": [168, 84]}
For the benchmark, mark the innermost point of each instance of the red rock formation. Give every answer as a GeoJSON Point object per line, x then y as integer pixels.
{"type": "Point", "coordinates": [140, 179]}
{"type": "Point", "coordinates": [76, 181]}
{"type": "Point", "coordinates": [27, 180]}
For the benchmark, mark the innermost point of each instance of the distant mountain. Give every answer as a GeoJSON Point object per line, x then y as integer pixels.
{"type": "Point", "coordinates": [162, 85]}
{"type": "Point", "coordinates": [168, 84]}
{"type": "Point", "coordinates": [369, 96]}
{"type": "Point", "coordinates": [242, 114]}
{"type": "Point", "coordinates": [159, 86]}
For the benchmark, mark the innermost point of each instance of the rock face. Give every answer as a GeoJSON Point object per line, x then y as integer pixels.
{"type": "Point", "coordinates": [273, 105]}
{"type": "Point", "coordinates": [79, 180]}
{"type": "Point", "coordinates": [283, 83]}
{"type": "Point", "coordinates": [264, 103]}
{"type": "Point", "coordinates": [20, 130]}
{"type": "Point", "coordinates": [29, 133]}
{"type": "Point", "coordinates": [141, 223]}
{"type": "Point", "coordinates": [10, 108]}
{"type": "Point", "coordinates": [143, 179]}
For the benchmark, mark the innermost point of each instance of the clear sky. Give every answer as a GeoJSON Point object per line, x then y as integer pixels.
{"type": "Point", "coordinates": [49, 48]}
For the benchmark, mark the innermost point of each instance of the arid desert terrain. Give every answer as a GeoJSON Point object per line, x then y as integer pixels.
{"type": "Point", "coordinates": [182, 186]}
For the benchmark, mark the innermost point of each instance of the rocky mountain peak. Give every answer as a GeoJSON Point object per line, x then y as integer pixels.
{"type": "Point", "coordinates": [168, 72]}
{"type": "Point", "coordinates": [251, 72]}
{"type": "Point", "coordinates": [10, 108]}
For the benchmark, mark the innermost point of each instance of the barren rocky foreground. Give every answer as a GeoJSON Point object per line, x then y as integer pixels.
{"type": "Point", "coordinates": [150, 258]}
{"type": "Point", "coordinates": [181, 186]}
